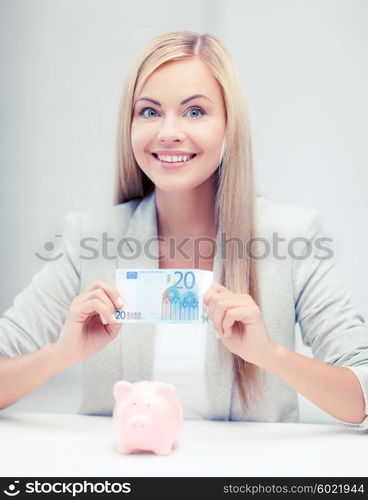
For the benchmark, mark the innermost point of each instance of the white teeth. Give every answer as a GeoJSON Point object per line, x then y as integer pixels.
{"type": "Point", "coordinates": [174, 158]}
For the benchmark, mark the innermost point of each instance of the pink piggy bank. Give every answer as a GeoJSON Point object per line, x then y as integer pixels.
{"type": "Point", "coordinates": [147, 416]}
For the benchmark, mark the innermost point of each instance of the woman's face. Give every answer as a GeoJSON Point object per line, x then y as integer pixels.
{"type": "Point", "coordinates": [168, 121]}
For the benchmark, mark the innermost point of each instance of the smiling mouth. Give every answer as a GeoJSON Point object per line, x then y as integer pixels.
{"type": "Point", "coordinates": [191, 156]}
{"type": "Point", "coordinates": [174, 164]}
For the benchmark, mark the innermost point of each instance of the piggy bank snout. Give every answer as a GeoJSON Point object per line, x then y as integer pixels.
{"type": "Point", "coordinates": [139, 421]}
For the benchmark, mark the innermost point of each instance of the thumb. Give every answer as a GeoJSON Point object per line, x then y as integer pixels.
{"type": "Point", "coordinates": [113, 329]}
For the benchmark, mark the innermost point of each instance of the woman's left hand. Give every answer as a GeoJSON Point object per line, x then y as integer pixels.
{"type": "Point", "coordinates": [224, 309]}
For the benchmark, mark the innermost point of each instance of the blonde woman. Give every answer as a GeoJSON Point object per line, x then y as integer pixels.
{"type": "Point", "coordinates": [185, 174]}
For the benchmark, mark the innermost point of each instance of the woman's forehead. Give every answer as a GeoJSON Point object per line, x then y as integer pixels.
{"type": "Point", "coordinates": [182, 78]}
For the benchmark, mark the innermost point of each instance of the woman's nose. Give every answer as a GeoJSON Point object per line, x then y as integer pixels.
{"type": "Point", "coordinates": [170, 131]}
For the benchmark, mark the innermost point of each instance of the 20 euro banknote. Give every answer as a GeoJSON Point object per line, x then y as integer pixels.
{"type": "Point", "coordinates": [162, 295]}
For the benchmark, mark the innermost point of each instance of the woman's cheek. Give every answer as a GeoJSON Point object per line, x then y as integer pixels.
{"type": "Point", "coordinates": [142, 136]}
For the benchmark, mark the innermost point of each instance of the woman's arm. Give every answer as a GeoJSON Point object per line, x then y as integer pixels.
{"type": "Point", "coordinates": [335, 389]}
{"type": "Point", "coordinates": [23, 374]}
{"type": "Point", "coordinates": [329, 324]}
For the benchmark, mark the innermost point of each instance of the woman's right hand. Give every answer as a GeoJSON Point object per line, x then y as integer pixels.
{"type": "Point", "coordinates": [83, 332]}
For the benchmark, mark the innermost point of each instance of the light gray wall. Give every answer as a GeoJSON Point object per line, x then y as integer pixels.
{"type": "Point", "coordinates": [305, 75]}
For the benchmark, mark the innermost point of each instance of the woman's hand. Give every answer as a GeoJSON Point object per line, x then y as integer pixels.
{"type": "Point", "coordinates": [225, 308]}
{"type": "Point", "coordinates": [83, 332]}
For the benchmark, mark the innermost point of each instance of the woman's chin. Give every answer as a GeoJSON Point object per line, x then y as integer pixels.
{"type": "Point", "coordinates": [177, 186]}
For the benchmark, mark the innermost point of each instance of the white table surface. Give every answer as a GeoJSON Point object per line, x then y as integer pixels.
{"type": "Point", "coordinates": [44, 445]}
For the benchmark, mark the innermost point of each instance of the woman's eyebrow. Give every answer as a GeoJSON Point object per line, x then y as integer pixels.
{"type": "Point", "coordinates": [195, 96]}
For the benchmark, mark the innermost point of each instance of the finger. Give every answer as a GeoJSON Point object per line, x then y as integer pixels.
{"type": "Point", "coordinates": [217, 317]}
{"type": "Point", "coordinates": [101, 295]}
{"type": "Point", "coordinates": [111, 291]}
{"type": "Point", "coordinates": [208, 294]}
{"type": "Point", "coordinates": [112, 326]}
{"type": "Point", "coordinates": [113, 329]}
{"type": "Point", "coordinates": [112, 319]}
{"type": "Point", "coordinates": [220, 308]}
{"type": "Point", "coordinates": [215, 296]}
{"type": "Point", "coordinates": [95, 305]}
{"type": "Point", "coordinates": [235, 300]}
{"type": "Point", "coordinates": [211, 307]}
{"type": "Point", "coordinates": [241, 313]}
{"type": "Point", "coordinates": [214, 288]}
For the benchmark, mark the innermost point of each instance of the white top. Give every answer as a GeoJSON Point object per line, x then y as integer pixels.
{"type": "Point", "coordinates": [179, 359]}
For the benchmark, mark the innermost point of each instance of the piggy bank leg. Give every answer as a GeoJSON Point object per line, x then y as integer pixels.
{"type": "Point", "coordinates": [125, 448]}
{"type": "Point", "coordinates": [163, 448]}
{"type": "Point", "coordinates": [175, 444]}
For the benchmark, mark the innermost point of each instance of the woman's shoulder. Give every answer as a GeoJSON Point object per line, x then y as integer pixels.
{"type": "Point", "coordinates": [109, 218]}
{"type": "Point", "coordinates": [112, 213]}
{"type": "Point", "coordinates": [284, 217]}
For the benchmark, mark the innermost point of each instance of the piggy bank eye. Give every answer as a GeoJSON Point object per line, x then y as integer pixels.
{"type": "Point", "coordinates": [148, 404]}
{"type": "Point", "coordinates": [134, 403]}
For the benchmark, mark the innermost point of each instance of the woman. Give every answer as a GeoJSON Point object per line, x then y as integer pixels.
{"type": "Point", "coordinates": [185, 172]}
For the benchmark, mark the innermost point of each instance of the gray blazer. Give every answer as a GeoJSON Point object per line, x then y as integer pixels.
{"type": "Point", "coordinates": [307, 291]}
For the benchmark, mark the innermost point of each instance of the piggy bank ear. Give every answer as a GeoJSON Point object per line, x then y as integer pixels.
{"type": "Point", "coordinates": [122, 389]}
{"type": "Point", "coordinates": [167, 390]}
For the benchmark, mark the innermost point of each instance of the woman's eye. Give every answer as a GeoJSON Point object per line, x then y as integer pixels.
{"type": "Point", "coordinates": [195, 112]}
{"type": "Point", "coordinates": [143, 112]}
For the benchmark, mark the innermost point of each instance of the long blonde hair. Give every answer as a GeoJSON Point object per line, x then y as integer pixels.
{"type": "Point", "coordinates": [235, 189]}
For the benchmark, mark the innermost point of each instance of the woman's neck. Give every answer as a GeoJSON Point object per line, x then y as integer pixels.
{"type": "Point", "coordinates": [186, 214]}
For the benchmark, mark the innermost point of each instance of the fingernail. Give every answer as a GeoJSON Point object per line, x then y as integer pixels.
{"type": "Point", "coordinates": [119, 300]}
{"type": "Point", "coordinates": [217, 334]}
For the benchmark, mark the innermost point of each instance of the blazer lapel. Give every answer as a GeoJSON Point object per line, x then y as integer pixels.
{"type": "Point", "coordinates": [140, 250]}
